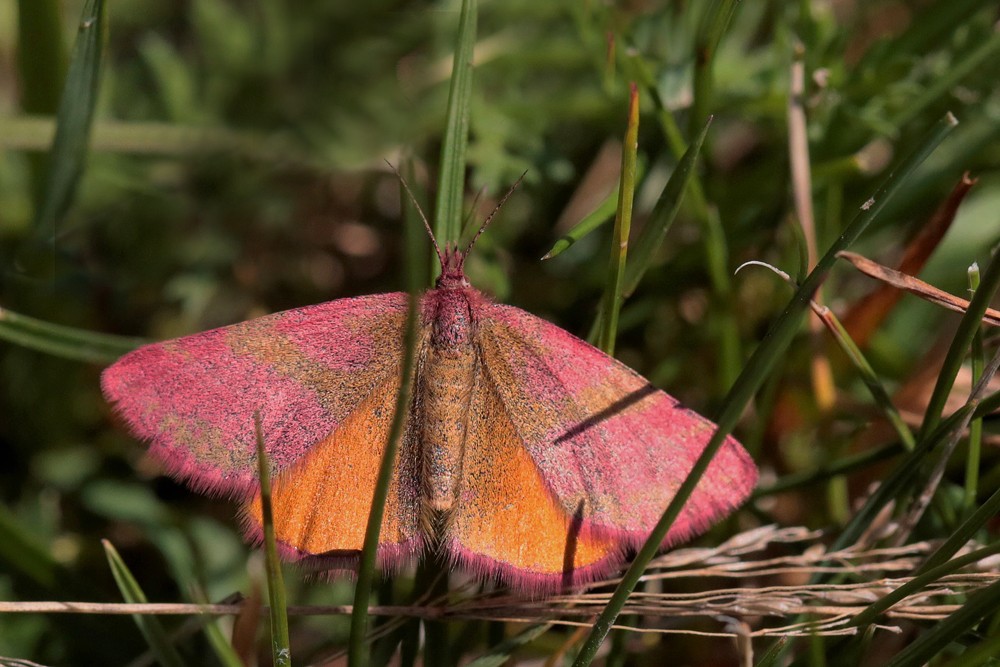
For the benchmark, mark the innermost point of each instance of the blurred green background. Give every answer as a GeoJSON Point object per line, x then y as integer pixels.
{"type": "Point", "coordinates": [237, 167]}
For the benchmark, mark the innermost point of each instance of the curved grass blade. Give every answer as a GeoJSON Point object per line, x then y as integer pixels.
{"type": "Point", "coordinates": [223, 649]}
{"type": "Point", "coordinates": [451, 186]}
{"type": "Point", "coordinates": [776, 341]}
{"type": "Point", "coordinates": [500, 654]}
{"type": "Point", "coordinates": [150, 626]}
{"type": "Point", "coordinates": [280, 643]}
{"type": "Point", "coordinates": [984, 514]}
{"type": "Point", "coordinates": [63, 341]}
{"type": "Point", "coordinates": [967, 328]}
{"type": "Point", "coordinates": [713, 27]}
{"type": "Point", "coordinates": [613, 291]}
{"type": "Point", "coordinates": [942, 633]}
{"type": "Point", "coordinates": [74, 119]}
{"type": "Point", "coordinates": [921, 580]}
{"type": "Point", "coordinates": [41, 64]}
{"type": "Point", "coordinates": [663, 214]}
{"type": "Point", "coordinates": [604, 211]}
{"type": "Point", "coordinates": [356, 654]}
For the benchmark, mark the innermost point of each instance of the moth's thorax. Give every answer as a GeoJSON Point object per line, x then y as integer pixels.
{"type": "Point", "coordinates": [451, 314]}
{"type": "Point", "coordinates": [447, 374]}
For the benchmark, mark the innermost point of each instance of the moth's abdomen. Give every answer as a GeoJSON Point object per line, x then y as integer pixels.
{"type": "Point", "coordinates": [447, 376]}
{"type": "Point", "coordinates": [447, 387]}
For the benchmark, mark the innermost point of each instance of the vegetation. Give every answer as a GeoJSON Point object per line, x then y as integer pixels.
{"type": "Point", "coordinates": [205, 162]}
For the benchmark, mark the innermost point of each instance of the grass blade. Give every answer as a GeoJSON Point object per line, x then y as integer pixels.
{"type": "Point", "coordinates": [41, 66]}
{"type": "Point", "coordinates": [942, 633]}
{"type": "Point", "coordinates": [500, 654]}
{"type": "Point", "coordinates": [74, 118]}
{"type": "Point", "coordinates": [280, 644]}
{"type": "Point", "coordinates": [63, 341]}
{"type": "Point", "coordinates": [604, 211]}
{"type": "Point", "coordinates": [613, 293]}
{"type": "Point", "coordinates": [451, 186]}
{"type": "Point", "coordinates": [366, 568]}
{"type": "Point", "coordinates": [150, 626]}
{"type": "Point", "coordinates": [966, 332]}
{"type": "Point", "coordinates": [713, 28]}
{"type": "Point", "coordinates": [663, 214]}
{"type": "Point", "coordinates": [756, 370]}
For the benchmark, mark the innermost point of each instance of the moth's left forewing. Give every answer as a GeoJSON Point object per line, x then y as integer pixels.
{"type": "Point", "coordinates": [603, 439]}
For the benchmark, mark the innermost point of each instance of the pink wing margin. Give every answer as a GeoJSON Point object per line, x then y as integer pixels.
{"type": "Point", "coordinates": [305, 370]}
{"type": "Point", "coordinates": [604, 440]}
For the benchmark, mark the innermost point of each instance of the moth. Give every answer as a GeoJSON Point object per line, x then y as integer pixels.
{"type": "Point", "coordinates": [527, 455]}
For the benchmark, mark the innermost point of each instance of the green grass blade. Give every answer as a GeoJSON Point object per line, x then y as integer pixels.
{"type": "Point", "coordinates": [280, 643]}
{"type": "Point", "coordinates": [942, 633]}
{"type": "Point", "coordinates": [756, 370]}
{"type": "Point", "coordinates": [63, 341]}
{"type": "Point", "coordinates": [150, 626]}
{"type": "Point", "coordinates": [357, 654]}
{"type": "Point", "coordinates": [983, 653]}
{"type": "Point", "coordinates": [41, 63]}
{"type": "Point", "coordinates": [613, 293]}
{"type": "Point", "coordinates": [713, 28]}
{"type": "Point", "coordinates": [716, 250]}
{"type": "Point", "coordinates": [663, 214]}
{"type": "Point", "coordinates": [74, 118]}
{"type": "Point", "coordinates": [20, 552]}
{"type": "Point", "coordinates": [221, 646]}
{"type": "Point", "coordinates": [924, 577]}
{"type": "Point", "coordinates": [965, 532]}
{"type": "Point", "coordinates": [949, 79]}
{"type": "Point", "coordinates": [604, 212]}
{"type": "Point", "coordinates": [500, 654]}
{"type": "Point", "coordinates": [841, 466]}
{"type": "Point", "coordinates": [973, 456]}
{"type": "Point", "coordinates": [770, 656]}
{"type": "Point", "coordinates": [870, 378]}
{"type": "Point", "coordinates": [967, 328]}
{"type": "Point", "coordinates": [451, 186]}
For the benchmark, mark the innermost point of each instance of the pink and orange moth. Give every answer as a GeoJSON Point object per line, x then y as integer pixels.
{"type": "Point", "coordinates": [527, 454]}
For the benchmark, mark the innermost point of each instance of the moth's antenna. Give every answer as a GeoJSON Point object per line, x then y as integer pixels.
{"type": "Point", "coordinates": [489, 218]}
{"type": "Point", "coordinates": [427, 225]}
{"type": "Point", "coordinates": [472, 208]}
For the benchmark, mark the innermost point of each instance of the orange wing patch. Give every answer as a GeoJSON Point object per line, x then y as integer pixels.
{"type": "Point", "coordinates": [506, 522]}
{"type": "Point", "coordinates": [321, 504]}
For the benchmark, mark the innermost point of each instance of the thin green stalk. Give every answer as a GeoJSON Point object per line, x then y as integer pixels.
{"type": "Point", "coordinates": [356, 653]}
{"type": "Point", "coordinates": [706, 46]}
{"type": "Point", "coordinates": [501, 653]}
{"type": "Point", "coordinates": [983, 653]}
{"type": "Point", "coordinates": [942, 633]}
{"type": "Point", "coordinates": [613, 296]}
{"type": "Point", "coordinates": [150, 626]}
{"type": "Point", "coordinates": [841, 466]}
{"type": "Point", "coordinates": [663, 214]}
{"type": "Point", "coordinates": [451, 186]}
{"type": "Point", "coordinates": [604, 212]}
{"type": "Point", "coordinates": [966, 331]}
{"type": "Point", "coordinates": [921, 580]}
{"type": "Point", "coordinates": [976, 425]}
{"type": "Point", "coordinates": [74, 118]}
{"type": "Point", "coordinates": [63, 341]}
{"type": "Point", "coordinates": [958, 539]}
{"type": "Point", "coordinates": [716, 250]}
{"type": "Point", "coordinates": [942, 85]}
{"type": "Point", "coordinates": [41, 63]}
{"type": "Point", "coordinates": [756, 370]}
{"type": "Point", "coordinates": [280, 643]}
{"type": "Point", "coordinates": [869, 377]}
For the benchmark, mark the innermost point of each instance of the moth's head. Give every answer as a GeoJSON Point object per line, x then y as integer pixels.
{"type": "Point", "coordinates": [452, 268]}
